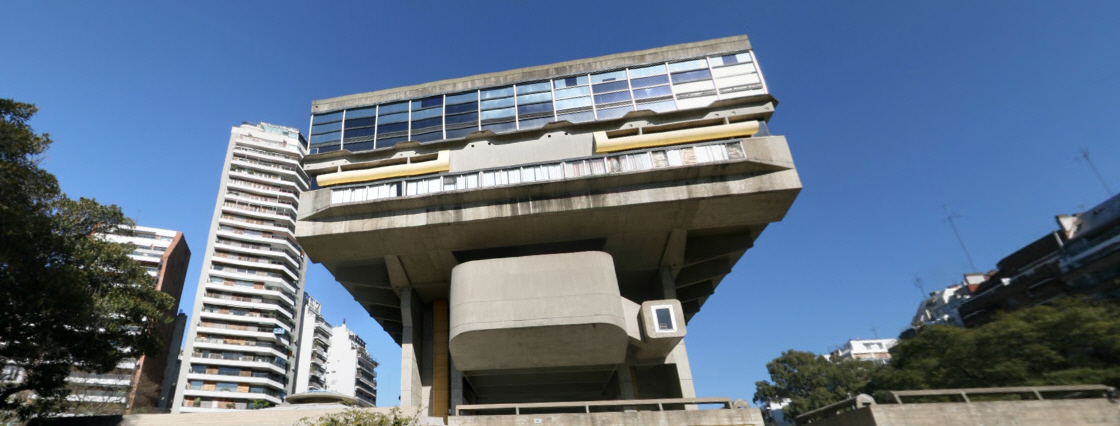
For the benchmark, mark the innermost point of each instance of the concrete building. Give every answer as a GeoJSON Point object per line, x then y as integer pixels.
{"type": "Point", "coordinates": [875, 350]}
{"type": "Point", "coordinates": [239, 347]}
{"type": "Point", "coordinates": [942, 307]}
{"type": "Point", "coordinates": [545, 234]}
{"type": "Point", "coordinates": [136, 382]}
{"type": "Point", "coordinates": [350, 369]}
{"type": "Point", "coordinates": [1081, 257]}
{"type": "Point", "coordinates": [314, 344]}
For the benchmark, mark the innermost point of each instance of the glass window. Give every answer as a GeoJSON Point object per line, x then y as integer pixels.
{"type": "Point", "coordinates": [326, 118]}
{"type": "Point", "coordinates": [497, 113]}
{"type": "Point", "coordinates": [461, 118]}
{"type": "Point", "coordinates": [649, 81]}
{"type": "Point", "coordinates": [392, 108]}
{"type": "Point", "coordinates": [534, 98]}
{"type": "Point", "coordinates": [462, 98]}
{"type": "Point", "coordinates": [459, 133]}
{"type": "Point", "coordinates": [393, 118]}
{"type": "Point", "coordinates": [737, 58]}
{"type": "Point", "coordinates": [561, 83]}
{"type": "Point", "coordinates": [395, 127]}
{"type": "Point", "coordinates": [578, 117]}
{"type": "Point", "coordinates": [326, 137]}
{"type": "Point", "coordinates": [360, 113]}
{"type": "Point", "coordinates": [500, 127]}
{"type": "Point", "coordinates": [687, 76]}
{"type": "Point", "coordinates": [361, 122]}
{"type": "Point", "coordinates": [651, 92]}
{"type": "Point", "coordinates": [647, 71]}
{"type": "Point", "coordinates": [688, 65]}
{"type": "Point", "coordinates": [497, 103]}
{"type": "Point", "coordinates": [543, 86]}
{"type": "Point", "coordinates": [430, 122]}
{"type": "Point", "coordinates": [572, 92]}
{"type": "Point", "coordinates": [608, 76]}
{"type": "Point", "coordinates": [357, 133]}
{"type": "Point", "coordinates": [668, 105]}
{"type": "Point", "coordinates": [534, 108]}
{"type": "Point", "coordinates": [229, 371]}
{"type": "Point", "coordinates": [357, 147]}
{"type": "Point", "coordinates": [497, 93]}
{"type": "Point", "coordinates": [324, 128]}
{"type": "Point", "coordinates": [427, 102]}
{"type": "Point", "coordinates": [434, 112]}
{"type": "Point", "coordinates": [664, 317]}
{"type": "Point", "coordinates": [225, 386]}
{"type": "Point", "coordinates": [455, 109]}
{"type": "Point", "coordinates": [195, 368]}
{"type": "Point", "coordinates": [573, 103]}
{"type": "Point", "coordinates": [612, 97]}
{"type": "Point", "coordinates": [611, 86]}
{"type": "Point", "coordinates": [607, 114]}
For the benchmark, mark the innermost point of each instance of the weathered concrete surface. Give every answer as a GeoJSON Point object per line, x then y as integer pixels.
{"type": "Point", "coordinates": [282, 415]}
{"type": "Point", "coordinates": [723, 417]}
{"type": "Point", "coordinates": [1070, 412]}
{"type": "Point", "coordinates": [556, 310]}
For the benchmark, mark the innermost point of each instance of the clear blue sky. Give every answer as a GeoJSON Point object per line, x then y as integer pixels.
{"type": "Point", "coordinates": [891, 109]}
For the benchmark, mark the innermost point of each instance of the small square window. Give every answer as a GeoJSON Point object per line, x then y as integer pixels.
{"type": "Point", "coordinates": [663, 315]}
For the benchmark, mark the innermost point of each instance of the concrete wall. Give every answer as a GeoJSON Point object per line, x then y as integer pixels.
{"type": "Point", "coordinates": [726, 417]}
{"type": "Point", "coordinates": [1072, 412]}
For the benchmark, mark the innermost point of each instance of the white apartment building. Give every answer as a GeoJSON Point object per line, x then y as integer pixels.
{"type": "Point", "coordinates": [314, 345]}
{"type": "Point", "coordinates": [876, 350]}
{"type": "Point", "coordinates": [239, 347]}
{"type": "Point", "coordinates": [350, 370]}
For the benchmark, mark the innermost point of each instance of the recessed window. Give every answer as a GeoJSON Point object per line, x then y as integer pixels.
{"type": "Point", "coordinates": [663, 315]}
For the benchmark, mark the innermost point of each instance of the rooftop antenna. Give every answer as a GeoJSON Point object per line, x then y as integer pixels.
{"type": "Point", "coordinates": [918, 284]}
{"type": "Point", "coordinates": [949, 217]}
{"type": "Point", "coordinates": [875, 331]}
{"type": "Point", "coordinates": [1085, 156]}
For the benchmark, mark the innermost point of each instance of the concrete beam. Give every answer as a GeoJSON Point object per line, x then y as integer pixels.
{"type": "Point", "coordinates": [704, 248]}
{"type": "Point", "coordinates": [696, 291]}
{"type": "Point", "coordinates": [703, 271]}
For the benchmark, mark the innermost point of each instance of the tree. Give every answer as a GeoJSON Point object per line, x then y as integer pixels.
{"type": "Point", "coordinates": [810, 381]}
{"type": "Point", "coordinates": [69, 300]}
{"type": "Point", "coordinates": [362, 417]}
{"type": "Point", "coordinates": [1069, 341]}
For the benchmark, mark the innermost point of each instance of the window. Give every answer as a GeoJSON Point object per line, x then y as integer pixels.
{"type": "Point", "coordinates": [663, 315]}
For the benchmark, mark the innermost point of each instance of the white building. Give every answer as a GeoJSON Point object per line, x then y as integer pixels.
{"type": "Point", "coordinates": [239, 346]}
{"type": "Point", "coordinates": [314, 345]}
{"type": "Point", "coordinates": [350, 370]}
{"type": "Point", "coordinates": [876, 350]}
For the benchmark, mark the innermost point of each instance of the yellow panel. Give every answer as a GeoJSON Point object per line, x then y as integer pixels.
{"type": "Point", "coordinates": [440, 164]}
{"type": "Point", "coordinates": [605, 144]}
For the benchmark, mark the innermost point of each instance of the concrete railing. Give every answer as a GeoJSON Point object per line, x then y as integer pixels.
{"type": "Point", "coordinates": [589, 406]}
{"type": "Point", "coordinates": [853, 403]}
{"type": "Point", "coordinates": [1038, 392]}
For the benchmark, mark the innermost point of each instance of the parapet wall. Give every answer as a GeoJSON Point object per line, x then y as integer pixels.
{"type": "Point", "coordinates": [723, 417]}
{"type": "Point", "coordinates": [1072, 412]}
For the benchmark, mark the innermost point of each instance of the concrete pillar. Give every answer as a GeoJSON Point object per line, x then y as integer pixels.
{"type": "Point", "coordinates": [440, 360]}
{"type": "Point", "coordinates": [679, 357]}
{"type": "Point", "coordinates": [456, 386]}
{"type": "Point", "coordinates": [411, 387]}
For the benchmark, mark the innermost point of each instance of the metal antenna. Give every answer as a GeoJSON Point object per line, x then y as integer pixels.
{"type": "Point", "coordinates": [1085, 156]}
{"type": "Point", "coordinates": [918, 284]}
{"type": "Point", "coordinates": [949, 217]}
{"type": "Point", "coordinates": [875, 331]}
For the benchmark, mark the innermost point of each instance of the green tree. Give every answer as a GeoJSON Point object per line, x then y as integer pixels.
{"type": "Point", "coordinates": [810, 381]}
{"type": "Point", "coordinates": [69, 300]}
{"type": "Point", "coordinates": [1069, 341]}
{"type": "Point", "coordinates": [362, 417]}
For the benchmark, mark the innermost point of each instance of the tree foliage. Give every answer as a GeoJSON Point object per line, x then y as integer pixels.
{"type": "Point", "coordinates": [810, 381]}
{"type": "Point", "coordinates": [362, 417]}
{"type": "Point", "coordinates": [1070, 341]}
{"type": "Point", "coordinates": [69, 300]}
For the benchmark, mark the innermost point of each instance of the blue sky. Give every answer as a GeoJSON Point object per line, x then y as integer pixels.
{"type": "Point", "coordinates": [891, 110]}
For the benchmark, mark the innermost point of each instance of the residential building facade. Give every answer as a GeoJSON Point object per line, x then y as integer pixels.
{"type": "Point", "coordinates": [135, 384]}
{"type": "Point", "coordinates": [874, 350]}
{"type": "Point", "coordinates": [314, 345]}
{"type": "Point", "coordinates": [350, 369]}
{"type": "Point", "coordinates": [240, 344]}
{"type": "Point", "coordinates": [545, 234]}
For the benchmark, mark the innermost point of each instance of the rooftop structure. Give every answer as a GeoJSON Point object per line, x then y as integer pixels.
{"type": "Point", "coordinates": [545, 234]}
{"type": "Point", "coordinates": [239, 346]}
{"type": "Point", "coordinates": [875, 350]}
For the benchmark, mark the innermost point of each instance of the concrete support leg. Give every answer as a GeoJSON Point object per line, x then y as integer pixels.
{"type": "Point", "coordinates": [440, 366]}
{"type": "Point", "coordinates": [411, 387]}
{"type": "Point", "coordinates": [626, 386]}
{"type": "Point", "coordinates": [456, 386]}
{"type": "Point", "coordinates": [679, 356]}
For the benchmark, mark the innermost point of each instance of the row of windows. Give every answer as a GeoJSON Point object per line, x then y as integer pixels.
{"type": "Point", "coordinates": [600, 96]}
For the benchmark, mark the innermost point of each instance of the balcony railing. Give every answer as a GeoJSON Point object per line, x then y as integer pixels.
{"type": "Point", "coordinates": [633, 161]}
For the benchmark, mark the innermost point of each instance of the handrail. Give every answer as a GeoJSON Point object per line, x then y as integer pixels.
{"type": "Point", "coordinates": [1037, 391]}
{"type": "Point", "coordinates": [586, 405]}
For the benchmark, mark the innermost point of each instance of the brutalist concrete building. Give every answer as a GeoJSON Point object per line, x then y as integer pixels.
{"type": "Point", "coordinates": [545, 234]}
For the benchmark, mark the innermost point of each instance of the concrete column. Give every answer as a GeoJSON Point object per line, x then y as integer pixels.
{"type": "Point", "coordinates": [440, 356]}
{"type": "Point", "coordinates": [627, 389]}
{"type": "Point", "coordinates": [411, 387]}
{"type": "Point", "coordinates": [679, 357]}
{"type": "Point", "coordinates": [456, 386]}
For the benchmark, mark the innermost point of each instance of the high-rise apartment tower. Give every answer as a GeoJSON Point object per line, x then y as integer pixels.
{"type": "Point", "coordinates": [239, 347]}
{"type": "Point", "coordinates": [545, 234]}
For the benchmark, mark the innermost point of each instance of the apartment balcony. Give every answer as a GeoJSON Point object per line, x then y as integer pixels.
{"type": "Point", "coordinates": [294, 173]}
{"type": "Point", "coordinates": [233, 246]}
{"type": "Point", "coordinates": [233, 207]}
{"type": "Point", "coordinates": [236, 379]}
{"type": "Point", "coordinates": [267, 179]}
{"type": "Point", "coordinates": [268, 155]}
{"type": "Point", "coordinates": [263, 305]}
{"type": "Point", "coordinates": [258, 319]}
{"type": "Point", "coordinates": [252, 274]}
{"type": "Point", "coordinates": [260, 233]}
{"type": "Point", "coordinates": [280, 297]}
{"type": "Point", "coordinates": [213, 344]}
{"type": "Point", "coordinates": [190, 394]}
{"type": "Point", "coordinates": [248, 362]}
{"type": "Point", "coordinates": [254, 263]}
{"type": "Point", "coordinates": [284, 208]}
{"type": "Point", "coordinates": [263, 189]}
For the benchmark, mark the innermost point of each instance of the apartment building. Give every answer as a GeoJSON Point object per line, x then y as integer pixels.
{"type": "Point", "coordinates": [314, 345]}
{"type": "Point", "coordinates": [240, 341]}
{"type": "Point", "coordinates": [350, 369]}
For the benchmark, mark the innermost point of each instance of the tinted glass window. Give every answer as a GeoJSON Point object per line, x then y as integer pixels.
{"type": "Point", "coordinates": [329, 127]}
{"type": "Point", "coordinates": [611, 87]}
{"type": "Point", "coordinates": [650, 92]}
{"type": "Point", "coordinates": [326, 118]}
{"type": "Point", "coordinates": [391, 108]}
{"type": "Point", "coordinates": [687, 76]}
{"type": "Point", "coordinates": [497, 93]}
{"type": "Point", "coordinates": [543, 86]}
{"type": "Point", "coordinates": [454, 109]}
{"type": "Point", "coordinates": [427, 103]}
{"type": "Point", "coordinates": [461, 118]}
{"type": "Point", "coordinates": [573, 91]}
{"type": "Point", "coordinates": [360, 113]}
{"type": "Point", "coordinates": [608, 76]}
{"type": "Point", "coordinates": [664, 319]}
{"type": "Point", "coordinates": [578, 80]}
{"type": "Point", "coordinates": [649, 81]}
{"type": "Point", "coordinates": [462, 98]}
{"type": "Point", "coordinates": [361, 122]}
{"type": "Point", "coordinates": [647, 71]}
{"type": "Point", "coordinates": [612, 97]}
